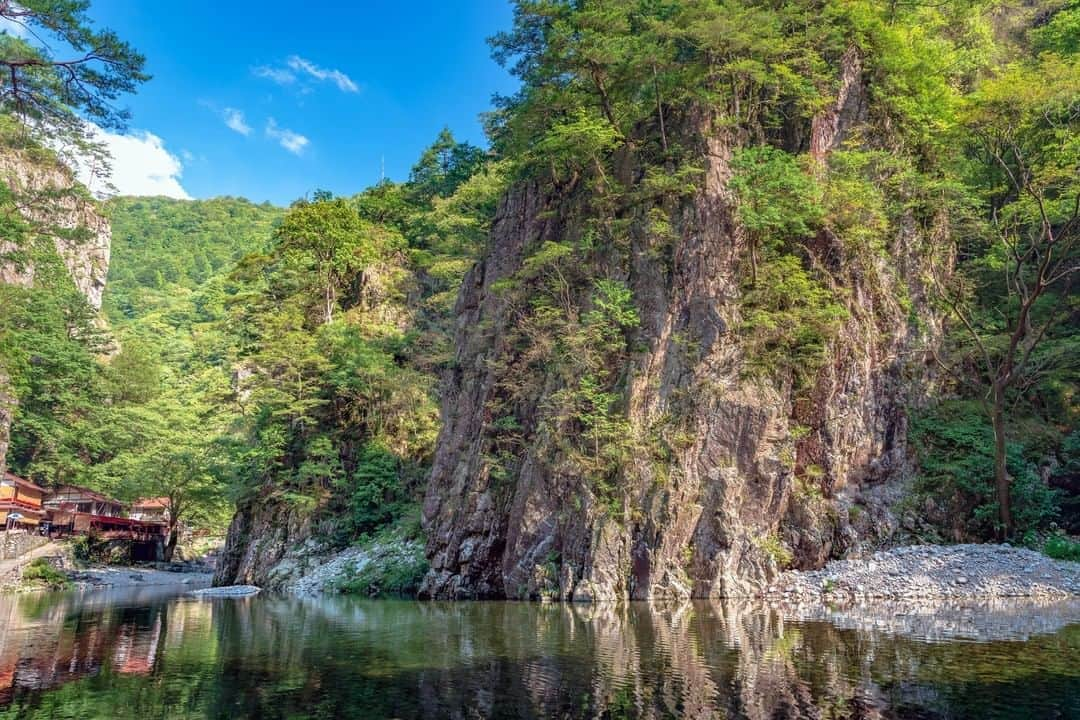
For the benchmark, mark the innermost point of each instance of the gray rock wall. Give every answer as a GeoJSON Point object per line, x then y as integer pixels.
{"type": "Point", "coordinates": [729, 507]}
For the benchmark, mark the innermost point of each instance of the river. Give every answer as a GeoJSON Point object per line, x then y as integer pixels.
{"type": "Point", "coordinates": [153, 653]}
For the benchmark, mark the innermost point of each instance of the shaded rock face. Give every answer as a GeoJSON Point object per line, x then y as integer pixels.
{"type": "Point", "coordinates": [259, 538]}
{"type": "Point", "coordinates": [731, 508]}
{"type": "Point", "coordinates": [83, 237]}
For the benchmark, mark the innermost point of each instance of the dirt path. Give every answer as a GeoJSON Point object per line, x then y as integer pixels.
{"type": "Point", "coordinates": [11, 570]}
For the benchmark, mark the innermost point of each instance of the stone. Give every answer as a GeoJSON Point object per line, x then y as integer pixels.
{"type": "Point", "coordinates": [232, 591]}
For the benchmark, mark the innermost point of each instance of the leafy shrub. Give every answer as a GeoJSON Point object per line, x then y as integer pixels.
{"type": "Point", "coordinates": [790, 317]}
{"type": "Point", "coordinates": [42, 571]}
{"type": "Point", "coordinates": [375, 493]}
{"type": "Point", "coordinates": [955, 444]}
{"type": "Point", "coordinates": [1062, 547]}
{"type": "Point", "coordinates": [81, 549]}
{"type": "Point", "coordinates": [772, 546]}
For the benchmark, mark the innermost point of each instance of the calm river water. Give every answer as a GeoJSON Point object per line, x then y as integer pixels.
{"type": "Point", "coordinates": [151, 654]}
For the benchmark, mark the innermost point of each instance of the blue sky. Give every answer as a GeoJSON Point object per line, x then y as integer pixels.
{"type": "Point", "coordinates": [271, 100]}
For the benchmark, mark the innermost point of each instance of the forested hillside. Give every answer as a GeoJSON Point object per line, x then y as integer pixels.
{"type": "Point", "coordinates": [737, 287]}
{"type": "Point", "coordinates": [161, 246]}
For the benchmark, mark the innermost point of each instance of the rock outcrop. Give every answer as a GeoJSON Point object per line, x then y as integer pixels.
{"type": "Point", "coordinates": [52, 199]}
{"type": "Point", "coordinates": [762, 476]}
{"type": "Point", "coordinates": [260, 537]}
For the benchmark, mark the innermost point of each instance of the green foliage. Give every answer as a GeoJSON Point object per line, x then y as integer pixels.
{"type": "Point", "coordinates": [57, 86]}
{"type": "Point", "coordinates": [328, 241]}
{"type": "Point", "coordinates": [1062, 547]}
{"type": "Point", "coordinates": [790, 317]}
{"type": "Point", "coordinates": [134, 375]}
{"type": "Point", "coordinates": [81, 549]}
{"type": "Point", "coordinates": [597, 75]}
{"type": "Point", "coordinates": [772, 546]}
{"type": "Point", "coordinates": [443, 168]}
{"type": "Point", "coordinates": [1061, 34]}
{"type": "Point", "coordinates": [145, 267]}
{"type": "Point", "coordinates": [375, 493]}
{"type": "Point", "coordinates": [778, 200]}
{"type": "Point", "coordinates": [955, 446]}
{"type": "Point", "coordinates": [42, 571]}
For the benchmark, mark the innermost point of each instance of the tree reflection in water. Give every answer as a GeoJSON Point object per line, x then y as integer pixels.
{"type": "Point", "coordinates": [151, 656]}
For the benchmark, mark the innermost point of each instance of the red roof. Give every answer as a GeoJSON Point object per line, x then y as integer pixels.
{"type": "Point", "coordinates": [11, 477]}
{"type": "Point", "coordinates": [158, 502]}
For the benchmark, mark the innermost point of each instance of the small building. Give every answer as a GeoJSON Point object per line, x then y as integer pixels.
{"type": "Point", "coordinates": [71, 499]}
{"type": "Point", "coordinates": [21, 503]}
{"type": "Point", "coordinates": [151, 510]}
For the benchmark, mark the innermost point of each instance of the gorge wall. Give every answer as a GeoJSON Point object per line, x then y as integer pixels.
{"type": "Point", "coordinates": [759, 474]}
{"type": "Point", "coordinates": [47, 195]}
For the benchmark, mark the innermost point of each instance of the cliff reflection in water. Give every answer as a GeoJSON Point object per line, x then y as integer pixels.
{"type": "Point", "coordinates": [149, 657]}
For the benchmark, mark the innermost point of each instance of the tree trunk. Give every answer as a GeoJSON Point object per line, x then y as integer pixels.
{"type": "Point", "coordinates": [753, 262]}
{"type": "Point", "coordinates": [1002, 481]}
{"type": "Point", "coordinates": [7, 411]}
{"type": "Point", "coordinates": [170, 543]}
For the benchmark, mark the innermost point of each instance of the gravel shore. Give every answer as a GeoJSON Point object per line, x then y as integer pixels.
{"type": "Point", "coordinates": [122, 577]}
{"type": "Point", "coordinates": [934, 571]}
{"type": "Point", "coordinates": [322, 575]}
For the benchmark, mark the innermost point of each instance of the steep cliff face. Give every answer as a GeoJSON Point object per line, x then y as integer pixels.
{"type": "Point", "coordinates": [759, 474]}
{"type": "Point", "coordinates": [81, 234]}
{"type": "Point", "coordinates": [48, 196]}
{"type": "Point", "coordinates": [260, 537]}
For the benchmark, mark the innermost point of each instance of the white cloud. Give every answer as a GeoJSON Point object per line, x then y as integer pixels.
{"type": "Point", "coordinates": [291, 141]}
{"type": "Point", "coordinates": [140, 166]}
{"type": "Point", "coordinates": [343, 81]}
{"type": "Point", "coordinates": [279, 75]}
{"type": "Point", "coordinates": [234, 119]}
{"type": "Point", "coordinates": [298, 68]}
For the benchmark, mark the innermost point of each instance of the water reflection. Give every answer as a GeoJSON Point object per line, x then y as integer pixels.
{"type": "Point", "coordinates": [169, 657]}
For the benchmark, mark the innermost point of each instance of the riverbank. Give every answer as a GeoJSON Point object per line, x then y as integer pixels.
{"type": "Point", "coordinates": [934, 571]}
{"type": "Point", "coordinates": [125, 577]}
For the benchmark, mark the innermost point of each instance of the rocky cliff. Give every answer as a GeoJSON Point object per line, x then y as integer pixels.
{"type": "Point", "coordinates": [752, 473]}
{"type": "Point", "coordinates": [50, 197]}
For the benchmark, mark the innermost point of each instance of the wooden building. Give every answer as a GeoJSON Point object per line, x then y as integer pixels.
{"type": "Point", "coordinates": [81, 511]}
{"type": "Point", "coordinates": [151, 509]}
{"type": "Point", "coordinates": [21, 503]}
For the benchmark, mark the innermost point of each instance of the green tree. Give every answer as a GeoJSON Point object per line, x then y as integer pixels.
{"type": "Point", "coordinates": [329, 236]}
{"type": "Point", "coordinates": [778, 200]}
{"type": "Point", "coordinates": [443, 167]}
{"type": "Point", "coordinates": [58, 87]}
{"type": "Point", "coordinates": [134, 374]}
{"type": "Point", "coordinates": [1023, 130]}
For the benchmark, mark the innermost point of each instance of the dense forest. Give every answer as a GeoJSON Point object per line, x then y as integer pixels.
{"type": "Point", "coordinates": [296, 357]}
